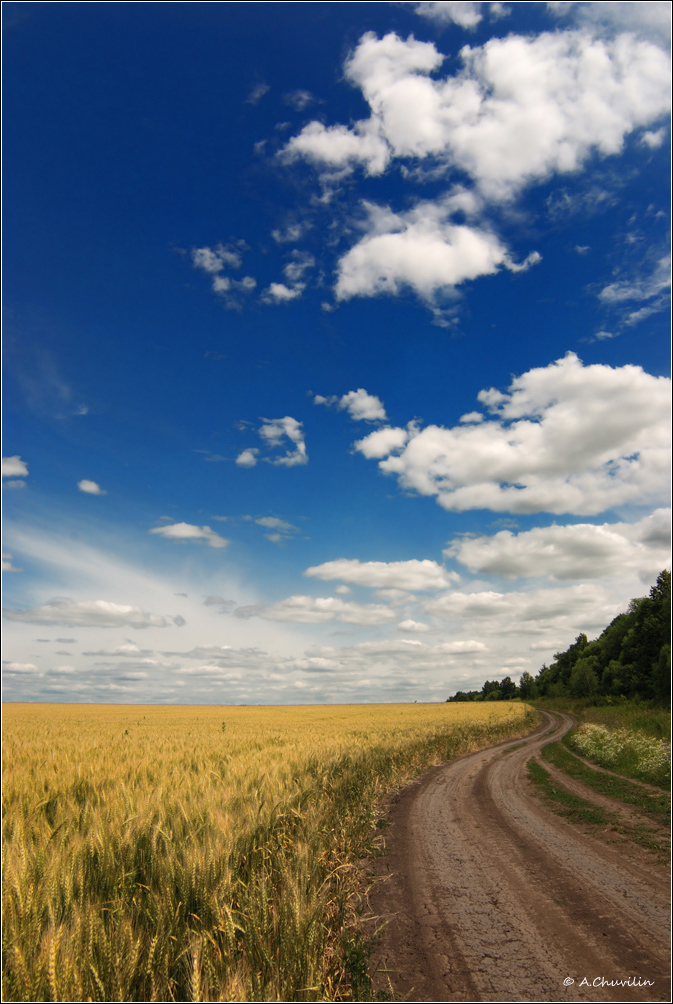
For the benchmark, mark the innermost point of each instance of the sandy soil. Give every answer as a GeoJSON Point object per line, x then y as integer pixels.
{"type": "Point", "coordinates": [489, 896]}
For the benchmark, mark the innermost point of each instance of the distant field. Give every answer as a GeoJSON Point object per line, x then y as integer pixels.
{"type": "Point", "coordinates": [204, 853]}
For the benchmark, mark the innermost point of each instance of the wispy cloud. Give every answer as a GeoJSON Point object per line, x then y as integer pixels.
{"type": "Point", "coordinates": [94, 613]}
{"type": "Point", "coordinates": [188, 531]}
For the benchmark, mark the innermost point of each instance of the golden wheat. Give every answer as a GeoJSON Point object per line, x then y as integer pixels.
{"type": "Point", "coordinates": [203, 853]}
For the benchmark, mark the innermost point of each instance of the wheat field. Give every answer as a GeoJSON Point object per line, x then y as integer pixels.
{"type": "Point", "coordinates": [204, 853]}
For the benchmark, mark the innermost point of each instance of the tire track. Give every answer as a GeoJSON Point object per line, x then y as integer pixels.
{"type": "Point", "coordinates": [490, 897]}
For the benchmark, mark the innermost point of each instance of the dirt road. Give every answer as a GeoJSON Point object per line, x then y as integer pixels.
{"type": "Point", "coordinates": [489, 896]}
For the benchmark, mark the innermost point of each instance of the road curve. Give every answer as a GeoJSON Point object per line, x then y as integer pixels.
{"type": "Point", "coordinates": [489, 896]}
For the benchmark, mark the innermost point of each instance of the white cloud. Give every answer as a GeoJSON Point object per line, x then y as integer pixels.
{"type": "Point", "coordinates": [520, 109]}
{"type": "Point", "coordinates": [94, 613]}
{"type": "Point", "coordinates": [187, 531]}
{"type": "Point", "coordinates": [660, 279]}
{"type": "Point", "coordinates": [127, 649]}
{"type": "Point", "coordinates": [273, 523]}
{"type": "Point", "coordinates": [19, 667]}
{"type": "Point", "coordinates": [565, 439]}
{"type": "Point", "coordinates": [291, 233]}
{"type": "Point", "coordinates": [360, 405]}
{"type": "Point", "coordinates": [340, 147]}
{"type": "Point", "coordinates": [653, 140]}
{"type": "Point", "coordinates": [578, 551]}
{"type": "Point", "coordinates": [412, 626]}
{"type": "Point", "coordinates": [319, 610]}
{"type": "Point", "coordinates": [299, 100]}
{"type": "Point", "coordinates": [90, 487]}
{"type": "Point", "coordinates": [7, 565]}
{"type": "Point", "coordinates": [13, 467]}
{"type": "Point", "coordinates": [471, 418]}
{"type": "Point", "coordinates": [650, 20]}
{"type": "Point", "coordinates": [421, 249]}
{"type": "Point", "coordinates": [300, 262]}
{"type": "Point", "coordinates": [467, 15]}
{"type": "Point", "coordinates": [408, 575]}
{"type": "Point", "coordinates": [383, 442]}
{"type": "Point", "coordinates": [278, 292]}
{"type": "Point", "coordinates": [294, 271]}
{"type": "Point", "coordinates": [275, 430]}
{"type": "Point", "coordinates": [216, 259]}
{"type": "Point", "coordinates": [257, 93]}
{"type": "Point", "coordinates": [570, 609]}
{"type": "Point", "coordinates": [248, 458]}
{"type": "Point", "coordinates": [281, 529]}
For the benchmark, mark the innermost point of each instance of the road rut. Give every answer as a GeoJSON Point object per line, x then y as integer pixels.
{"type": "Point", "coordinates": [489, 896]}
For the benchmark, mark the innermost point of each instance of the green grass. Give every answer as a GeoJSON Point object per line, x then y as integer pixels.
{"type": "Point", "coordinates": [625, 751]}
{"type": "Point", "coordinates": [652, 803]}
{"type": "Point", "coordinates": [613, 713]}
{"type": "Point", "coordinates": [578, 810]}
{"type": "Point", "coordinates": [563, 802]}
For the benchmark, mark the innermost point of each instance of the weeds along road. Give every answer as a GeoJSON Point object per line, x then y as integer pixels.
{"type": "Point", "coordinates": [490, 896]}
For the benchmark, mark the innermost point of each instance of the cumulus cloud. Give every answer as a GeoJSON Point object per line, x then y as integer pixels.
{"type": "Point", "coordinates": [520, 109]}
{"type": "Point", "coordinates": [278, 292]}
{"type": "Point", "coordinates": [467, 15]}
{"type": "Point", "coordinates": [187, 531]}
{"type": "Point", "coordinates": [319, 610]}
{"type": "Point", "coordinates": [651, 20]}
{"type": "Point", "coordinates": [19, 667]}
{"type": "Point", "coordinates": [392, 661]}
{"type": "Point", "coordinates": [412, 626]}
{"type": "Point", "coordinates": [14, 467]}
{"type": "Point", "coordinates": [273, 433]}
{"type": "Point", "coordinates": [653, 140]}
{"type": "Point", "coordinates": [7, 565]}
{"type": "Point", "coordinates": [384, 441]}
{"type": "Point", "coordinates": [90, 487]}
{"type": "Point", "coordinates": [566, 610]}
{"type": "Point", "coordinates": [93, 613]}
{"type": "Point", "coordinates": [566, 438]}
{"type": "Point", "coordinates": [578, 551]}
{"type": "Point", "coordinates": [127, 649]}
{"type": "Point", "coordinates": [248, 458]}
{"type": "Point", "coordinates": [411, 575]}
{"type": "Point", "coordinates": [421, 249]}
{"type": "Point", "coordinates": [360, 405]}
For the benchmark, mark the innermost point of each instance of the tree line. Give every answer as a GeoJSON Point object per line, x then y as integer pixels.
{"type": "Point", "coordinates": [631, 658]}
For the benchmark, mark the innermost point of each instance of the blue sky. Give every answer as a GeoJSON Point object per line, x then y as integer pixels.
{"type": "Point", "coordinates": [336, 343]}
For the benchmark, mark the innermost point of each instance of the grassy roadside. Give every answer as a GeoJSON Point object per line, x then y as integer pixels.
{"type": "Point", "coordinates": [612, 714]}
{"type": "Point", "coordinates": [578, 810]}
{"type": "Point", "coordinates": [629, 720]}
{"type": "Point", "coordinates": [651, 803]}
